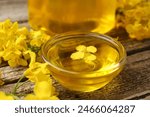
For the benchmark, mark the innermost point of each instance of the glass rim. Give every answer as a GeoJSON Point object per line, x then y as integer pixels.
{"type": "Point", "coordinates": [115, 43]}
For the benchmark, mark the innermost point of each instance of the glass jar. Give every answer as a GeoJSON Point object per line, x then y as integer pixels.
{"type": "Point", "coordinates": [60, 16]}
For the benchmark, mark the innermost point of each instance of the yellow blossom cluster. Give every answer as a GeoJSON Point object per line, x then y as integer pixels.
{"type": "Point", "coordinates": [13, 43]}
{"type": "Point", "coordinates": [84, 53]}
{"type": "Point", "coordinates": [20, 47]}
{"type": "Point", "coordinates": [137, 18]}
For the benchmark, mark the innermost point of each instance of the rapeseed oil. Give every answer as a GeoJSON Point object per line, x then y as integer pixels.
{"type": "Point", "coordinates": [59, 16]}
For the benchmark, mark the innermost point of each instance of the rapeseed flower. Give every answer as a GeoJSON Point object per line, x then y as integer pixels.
{"type": "Point", "coordinates": [13, 56]}
{"type": "Point", "coordinates": [3, 96]}
{"type": "Point", "coordinates": [12, 43]}
{"type": "Point", "coordinates": [136, 18]}
{"type": "Point", "coordinates": [36, 70]}
{"type": "Point", "coordinates": [84, 53]}
{"type": "Point", "coordinates": [38, 38]}
{"type": "Point", "coordinates": [42, 91]}
{"type": "Point", "coordinates": [20, 47]}
{"type": "Point", "coordinates": [137, 21]}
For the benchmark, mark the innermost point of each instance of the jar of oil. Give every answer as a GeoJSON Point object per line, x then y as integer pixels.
{"type": "Point", "coordinates": [96, 60]}
{"type": "Point", "coordinates": [59, 16]}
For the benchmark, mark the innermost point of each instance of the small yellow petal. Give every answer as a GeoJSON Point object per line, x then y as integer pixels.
{"type": "Point", "coordinates": [90, 57]}
{"type": "Point", "coordinates": [37, 72]}
{"type": "Point", "coordinates": [38, 38]}
{"type": "Point", "coordinates": [81, 48]}
{"type": "Point", "coordinates": [36, 42]}
{"type": "Point", "coordinates": [32, 56]}
{"type": "Point", "coordinates": [26, 55]}
{"type": "Point", "coordinates": [77, 55]}
{"type": "Point", "coordinates": [7, 23]}
{"type": "Point", "coordinates": [12, 63]}
{"type": "Point", "coordinates": [14, 27]}
{"type": "Point", "coordinates": [91, 49]}
{"type": "Point", "coordinates": [3, 96]}
{"type": "Point", "coordinates": [22, 31]}
{"type": "Point", "coordinates": [53, 98]}
{"type": "Point", "coordinates": [42, 89]}
{"type": "Point", "coordinates": [20, 41]}
{"type": "Point", "coordinates": [30, 97]}
{"type": "Point", "coordinates": [42, 77]}
{"type": "Point", "coordinates": [22, 62]}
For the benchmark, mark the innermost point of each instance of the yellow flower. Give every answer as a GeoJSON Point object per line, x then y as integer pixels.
{"type": "Point", "coordinates": [38, 38]}
{"type": "Point", "coordinates": [85, 53]}
{"type": "Point", "coordinates": [137, 21]}
{"type": "Point", "coordinates": [37, 71]}
{"type": "Point", "coordinates": [30, 55]}
{"type": "Point", "coordinates": [16, 46]}
{"type": "Point", "coordinates": [13, 56]}
{"type": "Point", "coordinates": [136, 18]}
{"type": "Point", "coordinates": [12, 43]}
{"type": "Point", "coordinates": [17, 62]}
{"type": "Point", "coordinates": [21, 43]}
{"type": "Point", "coordinates": [3, 96]}
{"type": "Point", "coordinates": [22, 31]}
{"type": "Point", "coordinates": [42, 91]}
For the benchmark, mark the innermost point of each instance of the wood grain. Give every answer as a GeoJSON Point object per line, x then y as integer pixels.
{"type": "Point", "coordinates": [13, 9]}
{"type": "Point", "coordinates": [132, 83]}
{"type": "Point", "coordinates": [11, 75]}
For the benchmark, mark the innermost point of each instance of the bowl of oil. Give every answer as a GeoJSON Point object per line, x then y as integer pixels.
{"type": "Point", "coordinates": [84, 61]}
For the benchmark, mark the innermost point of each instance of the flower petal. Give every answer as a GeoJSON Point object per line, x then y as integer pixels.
{"type": "Point", "coordinates": [43, 89]}
{"type": "Point", "coordinates": [91, 49]}
{"type": "Point", "coordinates": [90, 57]}
{"type": "Point", "coordinates": [3, 96]}
{"type": "Point", "coordinates": [77, 55]}
{"type": "Point", "coordinates": [81, 48]}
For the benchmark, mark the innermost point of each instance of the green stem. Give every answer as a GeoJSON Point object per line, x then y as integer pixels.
{"type": "Point", "coordinates": [17, 85]}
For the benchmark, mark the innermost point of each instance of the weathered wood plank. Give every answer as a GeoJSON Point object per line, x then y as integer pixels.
{"type": "Point", "coordinates": [143, 95]}
{"type": "Point", "coordinates": [11, 75]}
{"type": "Point", "coordinates": [131, 45]}
{"type": "Point", "coordinates": [16, 10]}
{"type": "Point", "coordinates": [21, 91]}
{"type": "Point", "coordinates": [147, 98]}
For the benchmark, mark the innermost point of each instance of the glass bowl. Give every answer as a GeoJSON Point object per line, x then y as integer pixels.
{"type": "Point", "coordinates": [84, 61]}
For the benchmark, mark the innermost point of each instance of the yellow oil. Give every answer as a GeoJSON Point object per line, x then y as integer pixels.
{"type": "Point", "coordinates": [59, 16]}
{"type": "Point", "coordinates": [77, 74]}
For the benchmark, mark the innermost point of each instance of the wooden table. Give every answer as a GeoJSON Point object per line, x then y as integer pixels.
{"type": "Point", "coordinates": [132, 83]}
